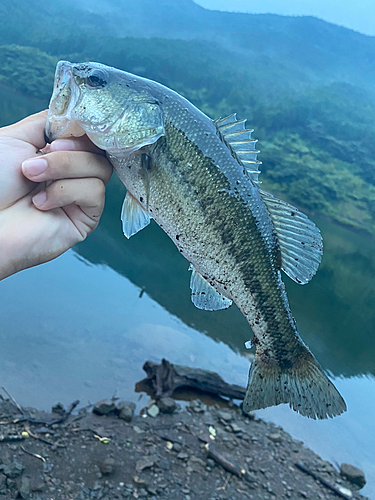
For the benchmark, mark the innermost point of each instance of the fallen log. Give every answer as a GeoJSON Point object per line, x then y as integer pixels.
{"type": "Point", "coordinates": [166, 377]}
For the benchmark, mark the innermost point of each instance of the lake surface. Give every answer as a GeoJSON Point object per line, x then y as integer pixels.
{"type": "Point", "coordinates": [76, 328]}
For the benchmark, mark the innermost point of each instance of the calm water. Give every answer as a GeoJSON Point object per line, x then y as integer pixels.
{"type": "Point", "coordinates": [76, 328]}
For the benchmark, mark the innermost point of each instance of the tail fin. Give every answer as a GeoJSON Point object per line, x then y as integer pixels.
{"type": "Point", "coordinates": [304, 386]}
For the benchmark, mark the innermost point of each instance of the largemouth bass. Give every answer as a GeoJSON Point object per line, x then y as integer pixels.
{"type": "Point", "coordinates": [198, 179]}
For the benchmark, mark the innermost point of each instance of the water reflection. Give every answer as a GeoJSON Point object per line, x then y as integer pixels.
{"type": "Point", "coordinates": [335, 312]}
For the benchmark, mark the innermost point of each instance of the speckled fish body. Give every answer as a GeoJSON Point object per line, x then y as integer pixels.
{"type": "Point", "coordinates": [190, 175]}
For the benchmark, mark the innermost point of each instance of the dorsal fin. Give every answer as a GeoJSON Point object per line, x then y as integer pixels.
{"type": "Point", "coordinates": [239, 140]}
{"type": "Point", "coordinates": [300, 241]}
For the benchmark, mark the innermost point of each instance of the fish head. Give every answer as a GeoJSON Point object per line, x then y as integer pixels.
{"type": "Point", "coordinates": [115, 109]}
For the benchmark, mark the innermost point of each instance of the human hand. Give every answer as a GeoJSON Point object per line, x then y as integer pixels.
{"type": "Point", "coordinates": [44, 214]}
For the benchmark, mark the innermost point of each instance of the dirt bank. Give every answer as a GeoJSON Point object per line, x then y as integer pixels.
{"type": "Point", "coordinates": [184, 455]}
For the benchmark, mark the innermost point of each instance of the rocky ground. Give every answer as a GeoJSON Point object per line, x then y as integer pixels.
{"type": "Point", "coordinates": [197, 452]}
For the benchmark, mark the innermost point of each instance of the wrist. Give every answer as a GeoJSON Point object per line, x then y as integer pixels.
{"type": "Point", "coordinates": [7, 263]}
{"type": "Point", "coordinates": [6, 267]}
{"type": "Point", "coordinates": [5, 270]}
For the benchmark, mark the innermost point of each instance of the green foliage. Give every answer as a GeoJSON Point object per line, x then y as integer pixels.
{"type": "Point", "coordinates": [308, 176]}
{"type": "Point", "coordinates": [317, 140]}
{"type": "Point", "coordinates": [27, 69]}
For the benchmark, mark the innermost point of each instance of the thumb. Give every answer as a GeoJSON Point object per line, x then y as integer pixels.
{"type": "Point", "coordinates": [30, 129]}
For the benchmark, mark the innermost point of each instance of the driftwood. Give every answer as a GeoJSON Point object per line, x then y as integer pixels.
{"type": "Point", "coordinates": [59, 420]}
{"type": "Point", "coordinates": [219, 458]}
{"type": "Point", "coordinates": [165, 378]}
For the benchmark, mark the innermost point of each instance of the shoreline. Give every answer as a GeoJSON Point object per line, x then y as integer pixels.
{"type": "Point", "coordinates": [105, 452]}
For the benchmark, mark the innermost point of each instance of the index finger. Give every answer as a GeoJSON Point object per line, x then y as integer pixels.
{"type": "Point", "coordinates": [82, 143]}
{"type": "Point", "coordinates": [67, 165]}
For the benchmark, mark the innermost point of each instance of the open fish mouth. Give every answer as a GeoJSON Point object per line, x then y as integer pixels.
{"type": "Point", "coordinates": [64, 98]}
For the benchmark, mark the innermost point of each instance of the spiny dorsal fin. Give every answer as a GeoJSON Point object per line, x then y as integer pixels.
{"type": "Point", "coordinates": [239, 140]}
{"type": "Point", "coordinates": [300, 241]}
{"type": "Point", "coordinates": [204, 296]}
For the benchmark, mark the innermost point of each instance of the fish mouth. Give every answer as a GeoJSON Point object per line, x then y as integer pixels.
{"type": "Point", "coordinates": [64, 97]}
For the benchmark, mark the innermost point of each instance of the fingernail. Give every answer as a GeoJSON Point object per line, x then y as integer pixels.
{"type": "Point", "coordinates": [40, 198]}
{"type": "Point", "coordinates": [35, 166]}
{"type": "Point", "coordinates": [62, 145]}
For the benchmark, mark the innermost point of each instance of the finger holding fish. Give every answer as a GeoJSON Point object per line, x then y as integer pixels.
{"type": "Point", "coordinates": [75, 173]}
{"type": "Point", "coordinates": [67, 165]}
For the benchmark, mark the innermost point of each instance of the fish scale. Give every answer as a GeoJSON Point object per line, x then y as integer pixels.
{"type": "Point", "coordinates": [198, 180]}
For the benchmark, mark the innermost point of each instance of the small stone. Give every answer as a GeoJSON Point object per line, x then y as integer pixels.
{"type": "Point", "coordinates": [13, 470]}
{"type": "Point", "coordinates": [196, 464]}
{"type": "Point", "coordinates": [125, 410]}
{"type": "Point", "coordinates": [197, 460]}
{"type": "Point", "coordinates": [11, 483]}
{"type": "Point", "coordinates": [107, 467]}
{"type": "Point", "coordinates": [24, 488]}
{"type": "Point", "coordinates": [177, 447]}
{"type": "Point", "coordinates": [139, 480]}
{"type": "Point", "coordinates": [153, 411]}
{"type": "Point", "coordinates": [59, 409]}
{"type": "Point", "coordinates": [164, 464]}
{"type": "Point", "coordinates": [151, 490]}
{"type": "Point", "coordinates": [137, 429]}
{"type": "Point", "coordinates": [250, 416]}
{"type": "Point", "coordinates": [327, 467]}
{"type": "Point", "coordinates": [183, 455]}
{"type": "Point", "coordinates": [345, 491]}
{"type": "Point", "coordinates": [36, 484]}
{"type": "Point", "coordinates": [104, 407]}
{"type": "Point", "coordinates": [167, 405]}
{"type": "Point", "coordinates": [353, 474]}
{"type": "Point", "coordinates": [225, 415]}
{"type": "Point", "coordinates": [275, 437]}
{"type": "Point", "coordinates": [146, 463]}
{"type": "Point", "coordinates": [196, 406]}
{"type": "Point", "coordinates": [3, 479]}
{"type": "Point", "coordinates": [235, 428]}
{"type": "Point", "coordinates": [212, 431]}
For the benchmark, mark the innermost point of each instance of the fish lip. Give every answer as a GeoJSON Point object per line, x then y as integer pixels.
{"type": "Point", "coordinates": [56, 124]}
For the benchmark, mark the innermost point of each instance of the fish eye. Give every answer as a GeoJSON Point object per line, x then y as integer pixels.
{"type": "Point", "coordinates": [96, 80]}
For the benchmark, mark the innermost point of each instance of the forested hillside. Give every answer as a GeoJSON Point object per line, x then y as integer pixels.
{"type": "Point", "coordinates": [312, 111]}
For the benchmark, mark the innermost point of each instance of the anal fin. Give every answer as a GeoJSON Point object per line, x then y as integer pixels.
{"type": "Point", "coordinates": [204, 296]}
{"type": "Point", "coordinates": [133, 216]}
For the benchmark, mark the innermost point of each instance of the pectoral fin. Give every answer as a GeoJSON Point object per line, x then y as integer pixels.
{"type": "Point", "coordinates": [204, 296]}
{"type": "Point", "coordinates": [300, 241]}
{"type": "Point", "coordinates": [133, 217]}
